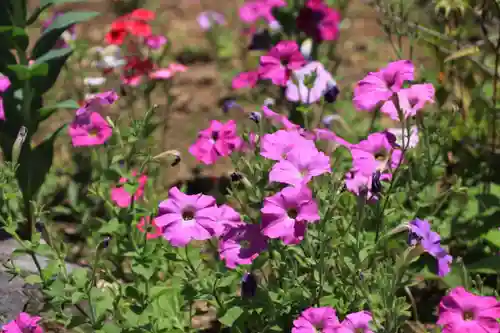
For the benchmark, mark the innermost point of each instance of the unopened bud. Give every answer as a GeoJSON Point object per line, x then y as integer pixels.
{"type": "Point", "coordinates": [18, 144]}
{"type": "Point", "coordinates": [173, 155]}
{"type": "Point", "coordinates": [255, 116]}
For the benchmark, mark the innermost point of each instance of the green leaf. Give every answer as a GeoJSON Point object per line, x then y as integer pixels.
{"type": "Point", "coordinates": [80, 277]}
{"type": "Point", "coordinates": [55, 62]}
{"type": "Point", "coordinates": [111, 328]}
{"type": "Point", "coordinates": [44, 3]}
{"type": "Point", "coordinates": [493, 237]}
{"type": "Point", "coordinates": [13, 37]}
{"type": "Point", "coordinates": [231, 315]}
{"type": "Point", "coordinates": [53, 54]}
{"type": "Point", "coordinates": [52, 34]}
{"type": "Point", "coordinates": [47, 111]}
{"type": "Point", "coordinates": [77, 297]}
{"type": "Point", "coordinates": [33, 279]}
{"type": "Point", "coordinates": [23, 73]}
{"type": "Point", "coordinates": [35, 164]}
{"type": "Point", "coordinates": [468, 51]}
{"type": "Point", "coordinates": [489, 265]}
{"type": "Point", "coordinates": [145, 271]}
{"type": "Point", "coordinates": [111, 227]}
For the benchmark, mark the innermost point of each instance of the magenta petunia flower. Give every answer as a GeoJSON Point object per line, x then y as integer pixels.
{"type": "Point", "coordinates": [221, 218]}
{"type": "Point", "coordinates": [185, 218]}
{"type": "Point", "coordinates": [241, 244]}
{"type": "Point", "coordinates": [245, 80]}
{"type": "Point", "coordinates": [286, 214]}
{"type": "Point", "coordinates": [379, 87]}
{"type": "Point", "coordinates": [327, 135]}
{"type": "Point", "coordinates": [95, 102]}
{"type": "Point", "coordinates": [155, 42]}
{"type": "Point", "coordinates": [378, 152]}
{"type": "Point", "coordinates": [319, 21]}
{"type": "Point", "coordinates": [23, 323]}
{"type": "Point", "coordinates": [4, 85]}
{"type": "Point", "coordinates": [410, 100]}
{"type": "Point", "coordinates": [89, 129]}
{"type": "Point", "coordinates": [430, 241]}
{"type": "Point", "coordinates": [121, 197]}
{"type": "Point", "coordinates": [168, 72]}
{"type": "Point", "coordinates": [281, 60]}
{"type": "Point", "coordinates": [300, 166]}
{"type": "Point", "coordinates": [254, 10]}
{"type": "Point", "coordinates": [463, 312]}
{"type": "Point", "coordinates": [277, 145]}
{"type": "Point", "coordinates": [216, 141]}
{"type": "Point", "coordinates": [207, 19]}
{"type": "Point", "coordinates": [298, 89]}
{"type": "Point", "coordinates": [314, 320]}
{"type": "Point", "coordinates": [357, 322]}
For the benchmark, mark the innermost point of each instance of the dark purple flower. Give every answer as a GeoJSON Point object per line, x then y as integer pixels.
{"type": "Point", "coordinates": [248, 285]}
{"type": "Point", "coordinates": [261, 41]}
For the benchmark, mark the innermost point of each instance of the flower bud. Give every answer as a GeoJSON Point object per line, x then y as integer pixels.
{"type": "Point", "coordinates": [255, 116]}
{"type": "Point", "coordinates": [18, 144]}
{"type": "Point", "coordinates": [248, 285]}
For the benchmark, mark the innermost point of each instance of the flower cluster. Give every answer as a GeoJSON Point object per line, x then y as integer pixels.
{"type": "Point", "coordinates": [325, 320]}
{"type": "Point", "coordinates": [23, 323]}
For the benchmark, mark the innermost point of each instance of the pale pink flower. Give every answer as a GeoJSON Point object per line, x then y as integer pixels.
{"type": "Point", "coordinates": [4, 85]}
{"type": "Point", "coordinates": [463, 312]}
{"type": "Point", "coordinates": [279, 119]}
{"type": "Point", "coordinates": [298, 91]}
{"type": "Point", "coordinates": [410, 101]}
{"type": "Point", "coordinates": [300, 166]}
{"type": "Point", "coordinates": [286, 214]}
{"type": "Point", "coordinates": [167, 73]}
{"type": "Point", "coordinates": [315, 320]}
{"type": "Point", "coordinates": [277, 145]}
{"type": "Point", "coordinates": [280, 61]}
{"type": "Point", "coordinates": [216, 141]}
{"type": "Point", "coordinates": [89, 130]}
{"type": "Point", "coordinates": [121, 197]}
{"type": "Point", "coordinates": [357, 322]}
{"type": "Point", "coordinates": [184, 219]}
{"type": "Point", "coordinates": [241, 244]}
{"type": "Point", "coordinates": [24, 323]}
{"type": "Point", "coordinates": [379, 87]}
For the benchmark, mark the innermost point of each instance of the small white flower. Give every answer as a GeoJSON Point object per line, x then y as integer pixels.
{"type": "Point", "coordinates": [94, 81]}
{"type": "Point", "coordinates": [411, 141]}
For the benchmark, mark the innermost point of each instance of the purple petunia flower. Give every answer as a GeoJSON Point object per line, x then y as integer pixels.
{"type": "Point", "coordinates": [357, 322]}
{"type": "Point", "coordinates": [207, 19]}
{"type": "Point", "coordinates": [314, 320]}
{"type": "Point", "coordinates": [241, 244]}
{"type": "Point", "coordinates": [286, 214]}
{"type": "Point", "coordinates": [277, 145]}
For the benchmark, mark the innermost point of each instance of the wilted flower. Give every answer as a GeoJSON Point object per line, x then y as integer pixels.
{"type": "Point", "coordinates": [422, 235]}
{"type": "Point", "coordinates": [228, 104]}
{"type": "Point", "coordinates": [248, 285]}
{"type": "Point", "coordinates": [241, 244]}
{"type": "Point", "coordinates": [207, 19]}
{"type": "Point", "coordinates": [182, 218]}
{"type": "Point", "coordinates": [4, 85]}
{"type": "Point", "coordinates": [314, 320]}
{"type": "Point", "coordinates": [379, 87]}
{"type": "Point", "coordinates": [286, 214]}
{"type": "Point", "coordinates": [280, 61]}
{"type": "Point", "coordinates": [357, 322]}
{"type": "Point", "coordinates": [309, 83]}
{"type": "Point", "coordinates": [410, 101]}
{"type": "Point", "coordinates": [216, 141]}
{"type": "Point", "coordinates": [300, 165]}
{"type": "Point", "coordinates": [319, 21]}
{"type": "Point", "coordinates": [148, 226]}
{"type": "Point", "coordinates": [121, 197]}
{"type": "Point", "coordinates": [23, 323]}
{"type": "Point", "coordinates": [463, 312]}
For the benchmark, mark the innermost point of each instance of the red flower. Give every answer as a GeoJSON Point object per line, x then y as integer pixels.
{"type": "Point", "coordinates": [135, 69]}
{"type": "Point", "coordinates": [135, 23]}
{"type": "Point", "coordinates": [117, 33]}
{"type": "Point", "coordinates": [319, 21]}
{"type": "Point", "coordinates": [153, 231]}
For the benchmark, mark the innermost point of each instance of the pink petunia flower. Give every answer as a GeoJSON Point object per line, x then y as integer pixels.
{"type": "Point", "coordinates": [286, 214]}
{"type": "Point", "coordinates": [379, 87]}
{"type": "Point", "coordinates": [463, 312]}
{"type": "Point", "coordinates": [121, 197]}
{"type": "Point", "coordinates": [155, 42]}
{"type": "Point", "coordinates": [22, 324]}
{"type": "Point", "coordinates": [277, 145]}
{"type": "Point", "coordinates": [357, 322]}
{"type": "Point", "coordinates": [221, 218]}
{"type": "Point", "coordinates": [299, 89]}
{"type": "Point", "coordinates": [300, 166]}
{"type": "Point", "coordinates": [410, 101]}
{"type": "Point", "coordinates": [241, 244]}
{"type": "Point", "coordinates": [96, 102]}
{"type": "Point", "coordinates": [216, 141]}
{"type": "Point", "coordinates": [245, 80]}
{"type": "Point", "coordinates": [167, 73]}
{"type": "Point", "coordinates": [4, 85]}
{"type": "Point", "coordinates": [210, 18]}
{"type": "Point", "coordinates": [279, 119]}
{"type": "Point", "coordinates": [183, 219]}
{"type": "Point", "coordinates": [327, 135]}
{"type": "Point", "coordinates": [281, 60]}
{"type": "Point", "coordinates": [319, 21]}
{"type": "Point", "coordinates": [314, 320]}
{"type": "Point", "coordinates": [89, 130]}
{"type": "Point", "coordinates": [149, 226]}
{"type": "Point", "coordinates": [254, 10]}
{"type": "Point", "coordinates": [378, 152]}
